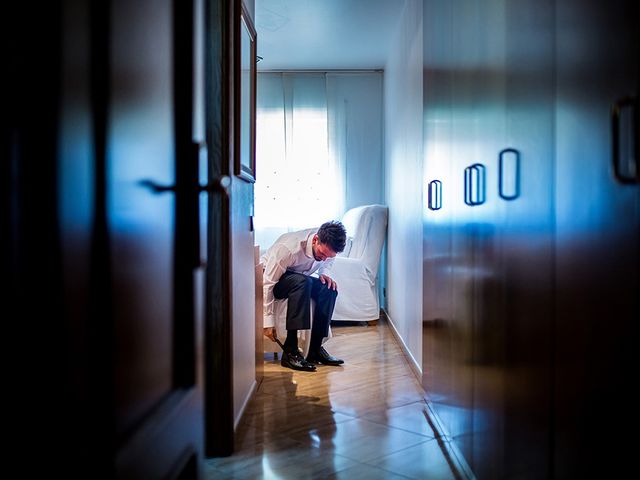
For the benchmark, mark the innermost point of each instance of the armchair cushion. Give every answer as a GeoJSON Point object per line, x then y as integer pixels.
{"type": "Point", "coordinates": [357, 291]}
{"type": "Point", "coordinates": [366, 226]}
{"type": "Point", "coordinates": [347, 248]}
{"type": "Point", "coordinates": [356, 273]}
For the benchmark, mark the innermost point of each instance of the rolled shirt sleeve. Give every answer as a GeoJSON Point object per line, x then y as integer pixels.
{"type": "Point", "coordinates": [276, 265]}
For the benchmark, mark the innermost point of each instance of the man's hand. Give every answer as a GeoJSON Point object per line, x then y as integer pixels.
{"type": "Point", "coordinates": [329, 281]}
{"type": "Point", "coordinates": [270, 332]}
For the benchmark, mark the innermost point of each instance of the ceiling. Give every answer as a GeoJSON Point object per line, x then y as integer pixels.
{"type": "Point", "coordinates": [325, 34]}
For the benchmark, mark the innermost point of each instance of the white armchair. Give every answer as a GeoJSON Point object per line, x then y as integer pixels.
{"type": "Point", "coordinates": [356, 269]}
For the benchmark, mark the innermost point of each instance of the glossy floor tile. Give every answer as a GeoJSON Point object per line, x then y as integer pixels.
{"type": "Point", "coordinates": [420, 461]}
{"type": "Point", "coordinates": [364, 420]}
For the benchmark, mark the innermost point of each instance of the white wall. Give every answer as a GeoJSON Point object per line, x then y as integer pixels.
{"type": "Point", "coordinates": [243, 291]}
{"type": "Point", "coordinates": [403, 178]}
{"type": "Point", "coordinates": [354, 103]}
{"type": "Point", "coordinates": [251, 6]}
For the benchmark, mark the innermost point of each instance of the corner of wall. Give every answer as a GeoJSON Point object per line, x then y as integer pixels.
{"type": "Point", "coordinates": [403, 159]}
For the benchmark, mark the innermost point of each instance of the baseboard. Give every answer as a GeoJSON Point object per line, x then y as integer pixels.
{"type": "Point", "coordinates": [457, 462]}
{"type": "Point", "coordinates": [248, 398]}
{"type": "Point", "coordinates": [416, 367]}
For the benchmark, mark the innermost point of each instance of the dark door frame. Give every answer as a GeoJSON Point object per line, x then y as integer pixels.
{"type": "Point", "coordinates": [219, 115]}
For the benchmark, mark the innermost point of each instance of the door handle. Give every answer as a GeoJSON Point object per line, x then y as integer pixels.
{"type": "Point", "coordinates": [624, 133]}
{"type": "Point", "coordinates": [187, 189]}
{"type": "Point", "coordinates": [509, 174]}
{"type": "Point", "coordinates": [474, 184]}
{"type": "Point", "coordinates": [156, 188]}
{"type": "Point", "coordinates": [467, 186]}
{"type": "Point", "coordinates": [435, 195]}
{"type": "Point", "coordinates": [220, 185]}
{"type": "Point", "coordinates": [187, 199]}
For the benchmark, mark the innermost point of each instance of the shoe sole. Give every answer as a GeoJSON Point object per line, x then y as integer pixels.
{"type": "Point", "coordinates": [321, 362]}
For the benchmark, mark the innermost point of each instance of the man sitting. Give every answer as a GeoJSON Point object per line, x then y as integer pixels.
{"type": "Point", "coordinates": [289, 263]}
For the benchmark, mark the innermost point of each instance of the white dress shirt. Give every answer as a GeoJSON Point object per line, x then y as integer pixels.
{"type": "Point", "coordinates": [290, 252]}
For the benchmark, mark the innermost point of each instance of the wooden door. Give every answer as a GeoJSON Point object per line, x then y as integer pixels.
{"type": "Point", "coordinates": [230, 368]}
{"type": "Point", "coordinates": [486, 233]}
{"type": "Point", "coordinates": [467, 217]}
{"type": "Point", "coordinates": [527, 226]}
{"type": "Point", "coordinates": [598, 237]}
{"type": "Point", "coordinates": [440, 184]}
{"type": "Point", "coordinates": [488, 318]}
{"type": "Point", "coordinates": [149, 205]}
{"type": "Point", "coordinates": [103, 245]}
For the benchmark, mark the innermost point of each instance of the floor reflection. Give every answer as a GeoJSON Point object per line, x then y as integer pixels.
{"type": "Point", "coordinates": [365, 419]}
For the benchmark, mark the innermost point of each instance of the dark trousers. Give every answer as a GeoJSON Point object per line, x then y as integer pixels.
{"type": "Point", "coordinates": [300, 289]}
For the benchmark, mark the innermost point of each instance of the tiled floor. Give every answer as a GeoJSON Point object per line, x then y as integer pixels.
{"type": "Point", "coordinates": [364, 420]}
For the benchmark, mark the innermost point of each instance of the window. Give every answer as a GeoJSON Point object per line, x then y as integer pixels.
{"type": "Point", "coordinates": [296, 186]}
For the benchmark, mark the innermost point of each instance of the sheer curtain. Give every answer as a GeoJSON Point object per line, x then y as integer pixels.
{"type": "Point", "coordinates": [318, 148]}
{"type": "Point", "coordinates": [296, 183]}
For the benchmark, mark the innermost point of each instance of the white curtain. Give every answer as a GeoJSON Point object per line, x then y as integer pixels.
{"type": "Point", "coordinates": [354, 107]}
{"type": "Point", "coordinates": [305, 131]}
{"type": "Point", "coordinates": [294, 189]}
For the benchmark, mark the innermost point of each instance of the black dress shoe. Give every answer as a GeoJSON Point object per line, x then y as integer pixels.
{"type": "Point", "coordinates": [322, 356]}
{"type": "Point", "coordinates": [296, 361]}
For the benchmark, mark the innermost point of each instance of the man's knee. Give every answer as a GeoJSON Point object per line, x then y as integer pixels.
{"type": "Point", "coordinates": [299, 280]}
{"type": "Point", "coordinates": [325, 291]}
{"type": "Point", "coordinates": [290, 283]}
{"type": "Point", "coordinates": [306, 284]}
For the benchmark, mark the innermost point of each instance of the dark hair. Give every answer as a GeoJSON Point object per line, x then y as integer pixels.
{"type": "Point", "coordinates": [333, 234]}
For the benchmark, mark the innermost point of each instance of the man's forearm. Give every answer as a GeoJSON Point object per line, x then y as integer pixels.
{"type": "Point", "coordinates": [269, 319]}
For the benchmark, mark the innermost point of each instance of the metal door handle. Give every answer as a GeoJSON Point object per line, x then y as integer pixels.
{"type": "Point", "coordinates": [435, 195]}
{"type": "Point", "coordinates": [156, 187]}
{"type": "Point", "coordinates": [509, 174]}
{"type": "Point", "coordinates": [467, 186]}
{"type": "Point", "coordinates": [220, 184]}
{"type": "Point", "coordinates": [624, 133]}
{"type": "Point", "coordinates": [474, 184]}
{"type": "Point", "coordinates": [187, 190]}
